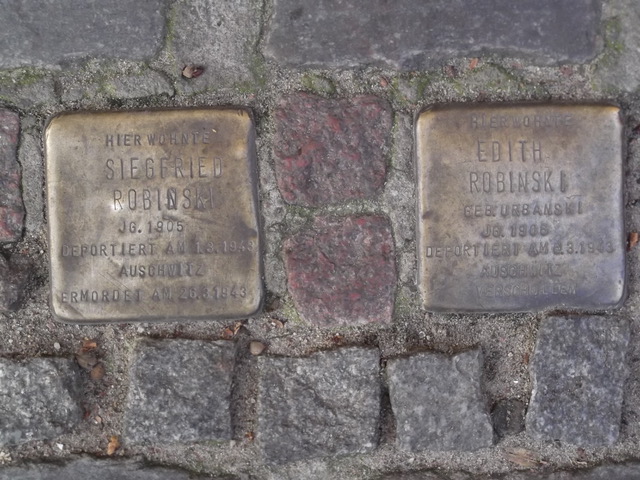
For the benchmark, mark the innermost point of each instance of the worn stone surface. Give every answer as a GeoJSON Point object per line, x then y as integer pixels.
{"type": "Point", "coordinates": [179, 392]}
{"type": "Point", "coordinates": [219, 36]}
{"type": "Point", "coordinates": [578, 371]}
{"type": "Point", "coordinates": [37, 33]}
{"type": "Point", "coordinates": [411, 34]}
{"type": "Point", "coordinates": [341, 271]}
{"type": "Point", "coordinates": [86, 468]}
{"type": "Point", "coordinates": [438, 403]}
{"type": "Point", "coordinates": [330, 151]}
{"type": "Point", "coordinates": [15, 274]}
{"type": "Point", "coordinates": [324, 405]}
{"type": "Point", "coordinates": [38, 399]}
{"type": "Point", "coordinates": [11, 207]}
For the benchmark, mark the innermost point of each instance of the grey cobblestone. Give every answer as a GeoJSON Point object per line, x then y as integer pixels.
{"type": "Point", "coordinates": [438, 403]}
{"type": "Point", "coordinates": [219, 36]}
{"type": "Point", "coordinates": [324, 405]}
{"type": "Point", "coordinates": [578, 369]}
{"type": "Point", "coordinates": [410, 34]}
{"type": "Point", "coordinates": [180, 392]}
{"type": "Point", "coordinates": [37, 33]}
{"type": "Point", "coordinates": [38, 399]}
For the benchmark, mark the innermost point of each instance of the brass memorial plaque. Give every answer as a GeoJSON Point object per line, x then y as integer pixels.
{"type": "Point", "coordinates": [520, 208]}
{"type": "Point", "coordinates": [153, 215]}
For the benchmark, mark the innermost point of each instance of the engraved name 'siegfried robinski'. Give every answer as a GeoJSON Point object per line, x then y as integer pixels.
{"type": "Point", "coordinates": [149, 167]}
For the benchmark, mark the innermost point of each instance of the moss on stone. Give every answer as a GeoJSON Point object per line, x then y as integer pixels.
{"type": "Point", "coordinates": [612, 28]}
{"type": "Point", "coordinates": [22, 77]}
{"type": "Point", "coordinates": [405, 304]}
{"type": "Point", "coordinates": [318, 84]}
{"type": "Point", "coordinates": [290, 312]}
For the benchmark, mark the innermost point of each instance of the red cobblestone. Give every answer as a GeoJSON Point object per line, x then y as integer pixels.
{"type": "Point", "coordinates": [342, 271]}
{"type": "Point", "coordinates": [11, 207]}
{"type": "Point", "coordinates": [329, 151]}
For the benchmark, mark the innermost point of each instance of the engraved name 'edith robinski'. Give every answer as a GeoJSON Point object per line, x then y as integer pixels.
{"type": "Point", "coordinates": [152, 215]}
{"type": "Point", "coordinates": [520, 208]}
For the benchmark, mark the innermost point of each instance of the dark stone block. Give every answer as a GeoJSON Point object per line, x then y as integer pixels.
{"type": "Point", "coordinates": [342, 271]}
{"type": "Point", "coordinates": [14, 281]}
{"type": "Point", "coordinates": [413, 34]}
{"type": "Point", "coordinates": [578, 370]}
{"type": "Point", "coordinates": [508, 417]}
{"type": "Point", "coordinates": [324, 405]}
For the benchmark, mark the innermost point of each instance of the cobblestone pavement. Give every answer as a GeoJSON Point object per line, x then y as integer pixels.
{"type": "Point", "coordinates": [342, 374]}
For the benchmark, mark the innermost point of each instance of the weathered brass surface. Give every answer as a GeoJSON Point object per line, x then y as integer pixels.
{"type": "Point", "coordinates": [520, 208]}
{"type": "Point", "coordinates": [153, 215]}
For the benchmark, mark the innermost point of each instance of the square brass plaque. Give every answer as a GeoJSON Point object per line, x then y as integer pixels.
{"type": "Point", "coordinates": [153, 215]}
{"type": "Point", "coordinates": [520, 208]}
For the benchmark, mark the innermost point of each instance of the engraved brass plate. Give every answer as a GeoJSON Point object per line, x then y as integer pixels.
{"type": "Point", "coordinates": [153, 215]}
{"type": "Point", "coordinates": [520, 208]}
